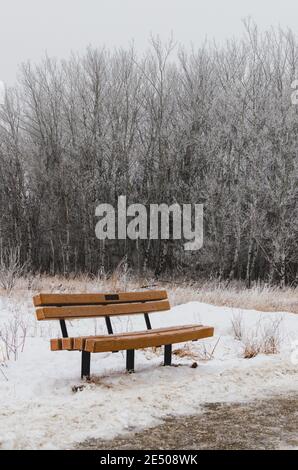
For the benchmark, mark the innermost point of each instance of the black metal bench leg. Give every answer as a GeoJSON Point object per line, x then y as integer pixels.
{"type": "Point", "coordinates": [168, 355]}
{"type": "Point", "coordinates": [85, 369]}
{"type": "Point", "coordinates": [130, 360]}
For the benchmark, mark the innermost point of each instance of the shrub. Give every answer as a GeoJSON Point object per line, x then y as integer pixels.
{"type": "Point", "coordinates": [11, 268]}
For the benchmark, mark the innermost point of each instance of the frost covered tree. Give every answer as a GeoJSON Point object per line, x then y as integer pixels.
{"type": "Point", "coordinates": [214, 125]}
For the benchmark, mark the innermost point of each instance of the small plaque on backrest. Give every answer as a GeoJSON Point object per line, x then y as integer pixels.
{"type": "Point", "coordinates": [112, 297]}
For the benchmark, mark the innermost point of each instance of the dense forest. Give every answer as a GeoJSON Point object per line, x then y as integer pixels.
{"type": "Point", "coordinates": [215, 125]}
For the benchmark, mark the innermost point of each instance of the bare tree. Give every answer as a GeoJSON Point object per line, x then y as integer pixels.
{"type": "Point", "coordinates": [213, 125]}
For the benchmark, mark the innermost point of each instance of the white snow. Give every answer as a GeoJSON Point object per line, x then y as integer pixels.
{"type": "Point", "coordinates": [39, 410]}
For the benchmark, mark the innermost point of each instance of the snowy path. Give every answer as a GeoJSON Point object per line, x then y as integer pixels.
{"type": "Point", "coordinates": [260, 424]}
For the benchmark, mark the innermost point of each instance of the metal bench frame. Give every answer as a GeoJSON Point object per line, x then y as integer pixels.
{"type": "Point", "coordinates": [130, 353]}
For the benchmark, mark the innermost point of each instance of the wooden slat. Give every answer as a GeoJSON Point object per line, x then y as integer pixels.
{"type": "Point", "coordinates": [56, 344]}
{"type": "Point", "coordinates": [146, 340]}
{"type": "Point", "coordinates": [87, 311]}
{"type": "Point", "coordinates": [67, 344]}
{"type": "Point", "coordinates": [78, 343]}
{"type": "Point", "coordinates": [94, 299]}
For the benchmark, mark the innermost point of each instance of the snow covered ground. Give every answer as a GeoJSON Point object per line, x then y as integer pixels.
{"type": "Point", "coordinates": [40, 410]}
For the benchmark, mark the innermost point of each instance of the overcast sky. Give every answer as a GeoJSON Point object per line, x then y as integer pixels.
{"type": "Point", "coordinates": [28, 28]}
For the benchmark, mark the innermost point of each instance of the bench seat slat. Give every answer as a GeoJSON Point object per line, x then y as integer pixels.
{"type": "Point", "coordinates": [40, 300]}
{"type": "Point", "coordinates": [67, 344]}
{"type": "Point", "coordinates": [146, 340]}
{"type": "Point", "coordinates": [78, 343]}
{"type": "Point", "coordinates": [89, 311]}
{"type": "Point", "coordinates": [56, 344]}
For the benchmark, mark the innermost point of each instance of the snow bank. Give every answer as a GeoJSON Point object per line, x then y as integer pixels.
{"type": "Point", "coordinates": [39, 409]}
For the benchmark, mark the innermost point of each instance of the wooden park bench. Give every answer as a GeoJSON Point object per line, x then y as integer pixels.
{"type": "Point", "coordinates": [64, 307]}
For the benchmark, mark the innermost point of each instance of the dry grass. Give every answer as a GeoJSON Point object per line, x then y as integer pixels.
{"type": "Point", "coordinates": [13, 336]}
{"type": "Point", "coordinates": [251, 348]}
{"type": "Point", "coordinates": [186, 352]}
{"type": "Point", "coordinates": [203, 352]}
{"type": "Point", "coordinates": [271, 337]}
{"type": "Point", "coordinates": [259, 297]}
{"type": "Point", "coordinates": [238, 326]}
{"type": "Point", "coordinates": [265, 339]}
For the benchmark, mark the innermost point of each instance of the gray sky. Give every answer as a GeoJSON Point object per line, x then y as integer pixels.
{"type": "Point", "coordinates": [29, 28]}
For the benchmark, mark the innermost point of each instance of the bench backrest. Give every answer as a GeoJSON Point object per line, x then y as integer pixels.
{"type": "Point", "coordinates": [71, 306]}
